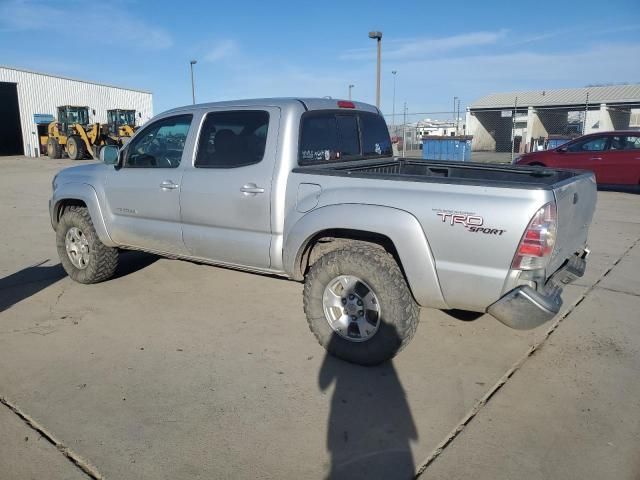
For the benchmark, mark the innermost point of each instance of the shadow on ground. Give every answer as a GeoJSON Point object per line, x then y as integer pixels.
{"type": "Point", "coordinates": [132, 261]}
{"type": "Point", "coordinates": [29, 281]}
{"type": "Point", "coordinates": [370, 425]}
{"type": "Point", "coordinates": [463, 315]}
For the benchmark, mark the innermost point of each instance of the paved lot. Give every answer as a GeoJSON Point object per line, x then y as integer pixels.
{"type": "Point", "coordinates": [177, 370]}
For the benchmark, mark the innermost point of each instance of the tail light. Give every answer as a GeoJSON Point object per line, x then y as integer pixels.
{"type": "Point", "coordinates": [538, 240]}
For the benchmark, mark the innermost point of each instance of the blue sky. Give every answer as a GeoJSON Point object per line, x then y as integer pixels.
{"type": "Point", "coordinates": [285, 48]}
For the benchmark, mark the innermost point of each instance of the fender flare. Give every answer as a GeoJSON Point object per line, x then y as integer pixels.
{"type": "Point", "coordinates": [401, 227]}
{"type": "Point", "coordinates": [87, 194]}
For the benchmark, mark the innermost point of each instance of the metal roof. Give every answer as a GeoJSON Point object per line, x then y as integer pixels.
{"type": "Point", "coordinates": [614, 94]}
{"type": "Point", "coordinates": [33, 72]}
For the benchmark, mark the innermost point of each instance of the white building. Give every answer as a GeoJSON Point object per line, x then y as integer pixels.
{"type": "Point", "coordinates": [523, 120]}
{"type": "Point", "coordinates": [29, 100]}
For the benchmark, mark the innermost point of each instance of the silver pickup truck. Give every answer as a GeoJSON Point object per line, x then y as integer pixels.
{"type": "Point", "coordinates": [309, 189]}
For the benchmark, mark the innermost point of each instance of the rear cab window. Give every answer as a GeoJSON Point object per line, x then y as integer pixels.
{"type": "Point", "coordinates": [329, 136]}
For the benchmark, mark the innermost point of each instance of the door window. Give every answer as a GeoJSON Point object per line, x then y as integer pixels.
{"type": "Point", "coordinates": [232, 139]}
{"type": "Point", "coordinates": [632, 143]}
{"type": "Point", "coordinates": [597, 144]}
{"type": "Point", "coordinates": [160, 145]}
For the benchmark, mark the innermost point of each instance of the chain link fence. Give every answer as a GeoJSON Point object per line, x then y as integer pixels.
{"type": "Point", "coordinates": [501, 134]}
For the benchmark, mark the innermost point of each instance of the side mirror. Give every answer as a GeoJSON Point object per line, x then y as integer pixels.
{"type": "Point", "coordinates": [561, 149]}
{"type": "Point", "coordinates": [109, 154]}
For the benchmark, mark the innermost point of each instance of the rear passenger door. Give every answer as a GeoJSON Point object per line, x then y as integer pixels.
{"type": "Point", "coordinates": [622, 161]}
{"type": "Point", "coordinates": [225, 197]}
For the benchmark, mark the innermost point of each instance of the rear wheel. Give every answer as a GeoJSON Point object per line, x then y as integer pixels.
{"type": "Point", "coordinates": [537, 164]}
{"type": "Point", "coordinates": [53, 148]}
{"type": "Point", "coordinates": [83, 256]}
{"type": "Point", "coordinates": [358, 305]}
{"type": "Point", "coordinates": [76, 149]}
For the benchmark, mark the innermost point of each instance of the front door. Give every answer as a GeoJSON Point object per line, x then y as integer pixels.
{"type": "Point", "coordinates": [587, 154]}
{"type": "Point", "coordinates": [226, 195]}
{"type": "Point", "coordinates": [143, 196]}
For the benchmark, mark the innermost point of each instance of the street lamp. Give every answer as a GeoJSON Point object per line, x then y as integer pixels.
{"type": "Point", "coordinates": [393, 113]}
{"type": "Point", "coordinates": [350, 87]}
{"type": "Point", "coordinates": [193, 88]}
{"type": "Point", "coordinates": [378, 37]}
{"type": "Point", "coordinates": [455, 99]}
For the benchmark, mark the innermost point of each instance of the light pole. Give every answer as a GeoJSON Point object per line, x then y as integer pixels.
{"type": "Point", "coordinates": [455, 99]}
{"type": "Point", "coordinates": [193, 88]}
{"type": "Point", "coordinates": [350, 87]}
{"type": "Point", "coordinates": [378, 37]}
{"type": "Point", "coordinates": [393, 113]}
{"type": "Point", "coordinates": [404, 131]}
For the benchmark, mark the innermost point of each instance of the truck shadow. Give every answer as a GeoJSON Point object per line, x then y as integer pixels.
{"type": "Point", "coordinates": [370, 425]}
{"type": "Point", "coordinates": [463, 315]}
{"type": "Point", "coordinates": [131, 261]}
{"type": "Point", "coordinates": [27, 282]}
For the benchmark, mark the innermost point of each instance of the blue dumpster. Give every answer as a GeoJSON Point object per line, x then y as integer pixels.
{"type": "Point", "coordinates": [457, 149]}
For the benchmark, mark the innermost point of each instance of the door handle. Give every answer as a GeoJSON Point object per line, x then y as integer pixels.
{"type": "Point", "coordinates": [251, 189]}
{"type": "Point", "coordinates": [168, 185]}
{"type": "Point", "coordinates": [595, 158]}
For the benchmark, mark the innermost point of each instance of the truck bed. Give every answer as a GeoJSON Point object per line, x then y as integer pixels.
{"type": "Point", "coordinates": [419, 170]}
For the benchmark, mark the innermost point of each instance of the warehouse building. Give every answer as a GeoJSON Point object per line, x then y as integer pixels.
{"type": "Point", "coordinates": [29, 101]}
{"type": "Point", "coordinates": [526, 120]}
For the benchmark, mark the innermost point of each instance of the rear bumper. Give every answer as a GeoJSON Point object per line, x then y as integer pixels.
{"type": "Point", "coordinates": [524, 308]}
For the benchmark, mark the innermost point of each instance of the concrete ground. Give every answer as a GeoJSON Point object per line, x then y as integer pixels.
{"type": "Point", "coordinates": [177, 370]}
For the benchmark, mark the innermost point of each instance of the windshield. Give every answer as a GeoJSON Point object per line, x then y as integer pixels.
{"type": "Point", "coordinates": [72, 115]}
{"type": "Point", "coordinates": [122, 117]}
{"type": "Point", "coordinates": [333, 136]}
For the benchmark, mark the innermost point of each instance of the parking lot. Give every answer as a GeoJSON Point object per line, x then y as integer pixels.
{"type": "Point", "coordinates": [177, 370]}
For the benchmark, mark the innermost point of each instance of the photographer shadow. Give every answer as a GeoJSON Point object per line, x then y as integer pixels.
{"type": "Point", "coordinates": [370, 426]}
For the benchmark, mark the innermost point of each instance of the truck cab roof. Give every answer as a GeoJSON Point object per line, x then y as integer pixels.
{"type": "Point", "coordinates": [284, 102]}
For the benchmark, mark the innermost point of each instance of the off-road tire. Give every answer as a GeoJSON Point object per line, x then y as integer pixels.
{"type": "Point", "coordinates": [400, 313]}
{"type": "Point", "coordinates": [54, 150]}
{"type": "Point", "coordinates": [76, 148]}
{"type": "Point", "coordinates": [103, 260]}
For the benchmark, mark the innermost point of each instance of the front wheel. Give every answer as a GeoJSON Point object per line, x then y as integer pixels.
{"type": "Point", "coordinates": [359, 306]}
{"type": "Point", "coordinates": [76, 148]}
{"type": "Point", "coordinates": [83, 256]}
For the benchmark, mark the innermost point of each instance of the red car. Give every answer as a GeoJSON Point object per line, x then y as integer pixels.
{"type": "Point", "coordinates": [614, 157]}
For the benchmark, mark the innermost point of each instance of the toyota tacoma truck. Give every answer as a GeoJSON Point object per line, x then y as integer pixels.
{"type": "Point", "coordinates": [309, 189]}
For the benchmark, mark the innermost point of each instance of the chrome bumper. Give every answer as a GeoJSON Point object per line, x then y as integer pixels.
{"type": "Point", "coordinates": [524, 308]}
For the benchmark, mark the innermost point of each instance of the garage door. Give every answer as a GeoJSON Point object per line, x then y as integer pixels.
{"type": "Point", "coordinates": [10, 131]}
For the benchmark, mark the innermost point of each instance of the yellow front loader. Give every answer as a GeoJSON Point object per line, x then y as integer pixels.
{"type": "Point", "coordinates": [122, 125]}
{"type": "Point", "coordinates": [73, 134]}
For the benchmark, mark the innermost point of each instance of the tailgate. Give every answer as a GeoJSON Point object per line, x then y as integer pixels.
{"type": "Point", "coordinates": [575, 202]}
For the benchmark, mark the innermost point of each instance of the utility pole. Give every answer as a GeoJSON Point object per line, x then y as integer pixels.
{"type": "Point", "coordinates": [377, 36]}
{"type": "Point", "coordinates": [193, 88]}
{"type": "Point", "coordinates": [586, 112]}
{"type": "Point", "coordinates": [393, 114]}
{"type": "Point", "coordinates": [404, 131]}
{"type": "Point", "coordinates": [350, 87]}
{"type": "Point", "coordinates": [458, 117]}
{"type": "Point", "coordinates": [513, 128]}
{"type": "Point", "coordinates": [455, 99]}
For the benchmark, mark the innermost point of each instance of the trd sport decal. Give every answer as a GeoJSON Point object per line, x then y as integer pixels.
{"type": "Point", "coordinates": [472, 222]}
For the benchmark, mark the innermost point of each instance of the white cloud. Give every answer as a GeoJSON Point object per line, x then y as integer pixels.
{"type": "Point", "coordinates": [417, 47]}
{"type": "Point", "coordinates": [221, 50]}
{"type": "Point", "coordinates": [105, 25]}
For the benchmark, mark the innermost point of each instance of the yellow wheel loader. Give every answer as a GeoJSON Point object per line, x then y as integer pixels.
{"type": "Point", "coordinates": [122, 125]}
{"type": "Point", "coordinates": [73, 134]}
